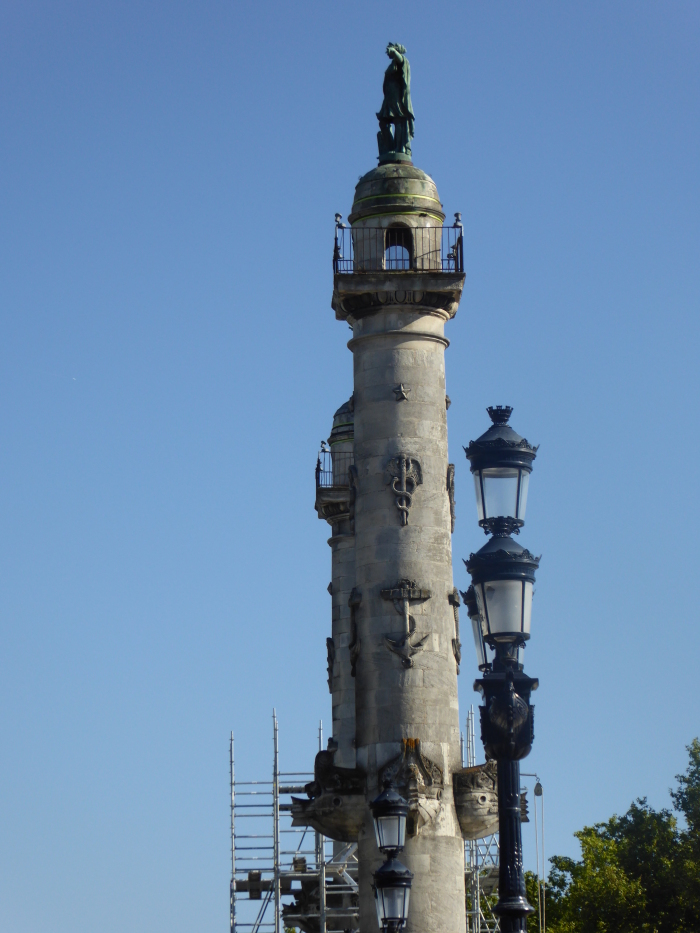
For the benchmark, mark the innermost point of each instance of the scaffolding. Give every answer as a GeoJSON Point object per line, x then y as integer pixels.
{"type": "Point", "coordinates": [480, 861]}
{"type": "Point", "coordinates": [276, 883]}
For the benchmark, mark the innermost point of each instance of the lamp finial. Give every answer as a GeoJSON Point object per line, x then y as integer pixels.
{"type": "Point", "coordinates": [499, 414]}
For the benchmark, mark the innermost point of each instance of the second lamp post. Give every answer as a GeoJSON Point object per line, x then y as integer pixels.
{"type": "Point", "coordinates": [499, 603]}
{"type": "Point", "coordinates": [392, 880]}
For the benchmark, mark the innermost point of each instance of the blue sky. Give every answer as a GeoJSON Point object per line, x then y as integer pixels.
{"type": "Point", "coordinates": [170, 362]}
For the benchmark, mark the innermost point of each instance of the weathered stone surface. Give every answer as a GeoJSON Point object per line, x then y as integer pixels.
{"type": "Point", "coordinates": [405, 717]}
{"type": "Point", "coordinates": [476, 800]}
{"type": "Point", "coordinates": [336, 800]}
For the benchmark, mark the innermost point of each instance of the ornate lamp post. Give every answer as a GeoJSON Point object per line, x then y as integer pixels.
{"type": "Point", "coordinates": [499, 602]}
{"type": "Point", "coordinates": [392, 881]}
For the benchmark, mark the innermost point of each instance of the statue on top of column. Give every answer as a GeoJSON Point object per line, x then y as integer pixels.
{"type": "Point", "coordinates": [397, 110]}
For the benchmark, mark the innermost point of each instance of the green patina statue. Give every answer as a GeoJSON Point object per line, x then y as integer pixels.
{"type": "Point", "coordinates": [397, 110]}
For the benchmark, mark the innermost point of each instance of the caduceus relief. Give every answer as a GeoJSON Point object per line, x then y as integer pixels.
{"type": "Point", "coordinates": [404, 474]}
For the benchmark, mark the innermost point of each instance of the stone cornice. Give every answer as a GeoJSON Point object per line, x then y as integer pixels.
{"type": "Point", "coordinates": [358, 294]}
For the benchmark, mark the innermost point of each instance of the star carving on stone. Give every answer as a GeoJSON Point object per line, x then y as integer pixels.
{"type": "Point", "coordinates": [401, 392]}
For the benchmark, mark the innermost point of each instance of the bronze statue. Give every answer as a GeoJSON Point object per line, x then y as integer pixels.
{"type": "Point", "coordinates": [397, 110]}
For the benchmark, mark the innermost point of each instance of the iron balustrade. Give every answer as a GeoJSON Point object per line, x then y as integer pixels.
{"type": "Point", "coordinates": [399, 249]}
{"type": "Point", "coordinates": [332, 468]}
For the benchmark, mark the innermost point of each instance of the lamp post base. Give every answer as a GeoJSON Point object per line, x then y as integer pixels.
{"type": "Point", "coordinates": [507, 732]}
{"type": "Point", "coordinates": [512, 908]}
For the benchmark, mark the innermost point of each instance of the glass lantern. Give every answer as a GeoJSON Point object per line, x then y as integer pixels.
{"type": "Point", "coordinates": [503, 576]}
{"type": "Point", "coordinates": [501, 463]}
{"type": "Point", "coordinates": [482, 650]}
{"type": "Point", "coordinates": [389, 812]}
{"type": "Point", "coordinates": [392, 890]}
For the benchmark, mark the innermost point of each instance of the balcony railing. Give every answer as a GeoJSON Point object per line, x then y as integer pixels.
{"type": "Point", "coordinates": [332, 469]}
{"type": "Point", "coordinates": [398, 249]}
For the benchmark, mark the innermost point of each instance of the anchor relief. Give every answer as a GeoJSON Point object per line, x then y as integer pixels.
{"type": "Point", "coordinates": [410, 643]}
{"type": "Point", "coordinates": [403, 473]}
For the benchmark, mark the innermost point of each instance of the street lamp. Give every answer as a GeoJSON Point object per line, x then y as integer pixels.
{"type": "Point", "coordinates": [503, 577]}
{"type": "Point", "coordinates": [392, 881]}
{"type": "Point", "coordinates": [501, 462]}
{"type": "Point", "coordinates": [482, 652]}
{"type": "Point", "coordinates": [389, 812]}
{"type": "Point", "coordinates": [392, 890]}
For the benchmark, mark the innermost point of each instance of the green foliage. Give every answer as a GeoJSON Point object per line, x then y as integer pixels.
{"type": "Point", "coordinates": [687, 797]}
{"type": "Point", "coordinates": [638, 872]}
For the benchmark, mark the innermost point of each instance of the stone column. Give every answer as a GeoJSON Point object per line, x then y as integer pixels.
{"type": "Point", "coordinates": [334, 504]}
{"type": "Point", "coordinates": [407, 716]}
{"type": "Point", "coordinates": [342, 682]}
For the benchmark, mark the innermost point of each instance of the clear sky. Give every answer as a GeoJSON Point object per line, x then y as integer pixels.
{"type": "Point", "coordinates": [170, 362]}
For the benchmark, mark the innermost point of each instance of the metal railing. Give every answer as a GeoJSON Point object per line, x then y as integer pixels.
{"type": "Point", "coordinates": [332, 468]}
{"type": "Point", "coordinates": [398, 248]}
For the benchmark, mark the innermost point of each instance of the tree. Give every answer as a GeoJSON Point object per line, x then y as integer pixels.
{"type": "Point", "coordinates": [638, 872]}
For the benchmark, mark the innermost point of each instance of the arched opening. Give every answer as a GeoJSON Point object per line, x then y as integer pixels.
{"type": "Point", "coordinates": [398, 249]}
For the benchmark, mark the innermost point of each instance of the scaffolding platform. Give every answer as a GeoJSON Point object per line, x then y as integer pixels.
{"type": "Point", "coordinates": [283, 876]}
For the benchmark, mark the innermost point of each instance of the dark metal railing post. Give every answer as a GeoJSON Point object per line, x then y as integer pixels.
{"type": "Point", "coordinates": [459, 243]}
{"type": "Point", "coordinates": [337, 252]}
{"type": "Point", "coordinates": [371, 249]}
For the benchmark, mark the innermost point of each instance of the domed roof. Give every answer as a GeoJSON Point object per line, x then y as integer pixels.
{"type": "Point", "coordinates": [396, 188]}
{"type": "Point", "coordinates": [343, 422]}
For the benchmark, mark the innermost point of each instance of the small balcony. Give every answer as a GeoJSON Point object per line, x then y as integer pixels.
{"type": "Point", "coordinates": [398, 248]}
{"type": "Point", "coordinates": [333, 469]}
{"type": "Point", "coordinates": [333, 492]}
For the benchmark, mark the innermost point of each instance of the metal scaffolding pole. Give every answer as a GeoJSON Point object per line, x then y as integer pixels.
{"type": "Point", "coordinates": [321, 857]}
{"type": "Point", "coordinates": [323, 892]}
{"type": "Point", "coordinates": [276, 822]}
{"type": "Point", "coordinates": [481, 861]}
{"type": "Point", "coordinates": [232, 908]}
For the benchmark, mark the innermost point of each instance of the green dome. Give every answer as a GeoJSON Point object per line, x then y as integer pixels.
{"type": "Point", "coordinates": [396, 188]}
{"type": "Point", "coordinates": [343, 422]}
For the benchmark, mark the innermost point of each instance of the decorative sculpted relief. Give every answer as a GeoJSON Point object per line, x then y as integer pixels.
{"type": "Point", "coordinates": [355, 643]}
{"type": "Point", "coordinates": [404, 474]}
{"type": "Point", "coordinates": [476, 800]}
{"type": "Point", "coordinates": [451, 493]}
{"type": "Point", "coordinates": [353, 479]}
{"type": "Point", "coordinates": [330, 649]}
{"type": "Point", "coordinates": [410, 643]}
{"type": "Point", "coordinates": [336, 803]}
{"type": "Point", "coordinates": [456, 643]}
{"type": "Point", "coordinates": [419, 780]}
{"type": "Point", "coordinates": [367, 302]}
